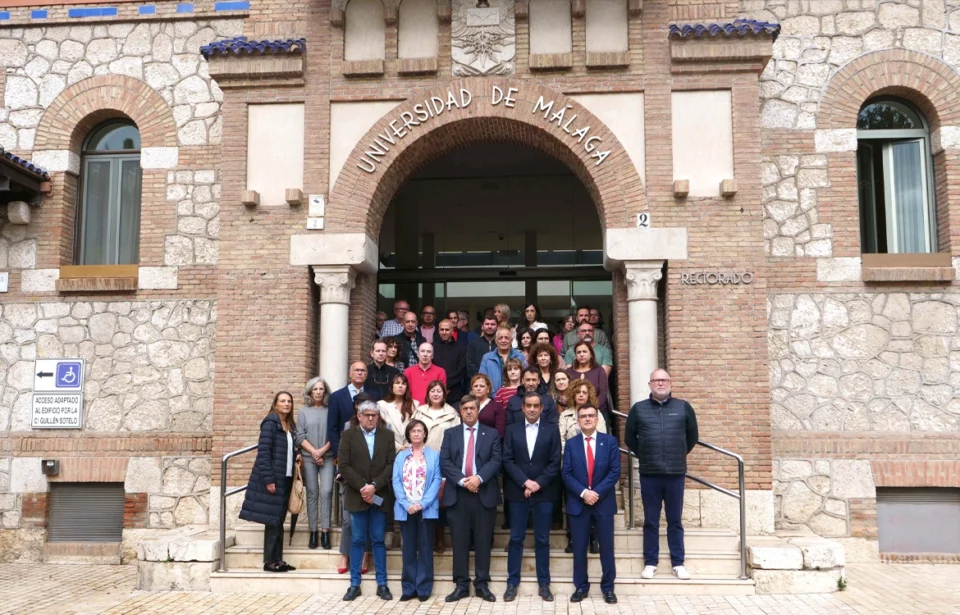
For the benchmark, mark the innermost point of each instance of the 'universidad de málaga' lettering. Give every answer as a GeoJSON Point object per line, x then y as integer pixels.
{"type": "Point", "coordinates": [562, 115]}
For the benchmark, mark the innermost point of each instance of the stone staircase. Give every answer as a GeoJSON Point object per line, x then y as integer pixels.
{"type": "Point", "coordinates": [712, 557]}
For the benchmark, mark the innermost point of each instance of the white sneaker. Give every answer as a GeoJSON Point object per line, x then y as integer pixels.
{"type": "Point", "coordinates": [648, 572]}
{"type": "Point", "coordinates": [681, 573]}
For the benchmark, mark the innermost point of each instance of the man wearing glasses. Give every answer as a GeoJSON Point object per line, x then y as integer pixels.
{"type": "Point", "coordinates": [661, 431]}
{"type": "Point", "coordinates": [428, 319]}
{"type": "Point", "coordinates": [341, 403]}
{"type": "Point", "coordinates": [395, 326]}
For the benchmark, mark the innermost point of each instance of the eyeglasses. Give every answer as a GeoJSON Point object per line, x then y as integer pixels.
{"type": "Point", "coordinates": [429, 313]}
{"type": "Point", "coordinates": [660, 381]}
{"type": "Point", "coordinates": [587, 416]}
{"type": "Point", "coordinates": [360, 370]}
{"type": "Point", "coordinates": [369, 415]}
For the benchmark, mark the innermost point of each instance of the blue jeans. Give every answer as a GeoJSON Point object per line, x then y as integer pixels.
{"type": "Point", "coordinates": [374, 521]}
{"type": "Point", "coordinates": [417, 551]}
{"type": "Point", "coordinates": [655, 491]}
{"type": "Point", "coordinates": [542, 517]}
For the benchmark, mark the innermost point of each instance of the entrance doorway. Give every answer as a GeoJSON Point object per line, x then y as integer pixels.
{"type": "Point", "coordinates": [494, 223]}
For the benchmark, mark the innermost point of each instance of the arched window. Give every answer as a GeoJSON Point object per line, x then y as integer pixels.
{"type": "Point", "coordinates": [895, 179]}
{"type": "Point", "coordinates": [109, 221]}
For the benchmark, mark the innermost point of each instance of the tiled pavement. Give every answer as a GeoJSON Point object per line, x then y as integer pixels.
{"type": "Point", "coordinates": [895, 589]}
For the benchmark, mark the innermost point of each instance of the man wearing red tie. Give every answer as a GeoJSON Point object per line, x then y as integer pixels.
{"type": "Point", "coordinates": [591, 469]}
{"type": "Point", "coordinates": [470, 462]}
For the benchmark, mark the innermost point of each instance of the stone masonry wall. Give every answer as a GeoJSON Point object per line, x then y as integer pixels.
{"type": "Point", "coordinates": [818, 38]}
{"type": "Point", "coordinates": [149, 364]}
{"type": "Point", "coordinates": [41, 61]}
{"type": "Point", "coordinates": [865, 362]}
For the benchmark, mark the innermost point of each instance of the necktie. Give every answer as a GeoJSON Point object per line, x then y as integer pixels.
{"type": "Point", "coordinates": [589, 463]}
{"type": "Point", "coordinates": [468, 468]}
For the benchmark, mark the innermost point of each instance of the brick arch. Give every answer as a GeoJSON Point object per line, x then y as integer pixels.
{"type": "Point", "coordinates": [359, 199]}
{"type": "Point", "coordinates": [927, 82]}
{"type": "Point", "coordinates": [83, 105]}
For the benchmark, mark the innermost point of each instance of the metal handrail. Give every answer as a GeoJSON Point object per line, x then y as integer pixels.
{"type": "Point", "coordinates": [224, 492]}
{"type": "Point", "coordinates": [741, 495]}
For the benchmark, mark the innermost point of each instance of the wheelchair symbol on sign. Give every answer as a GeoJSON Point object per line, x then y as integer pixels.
{"type": "Point", "coordinates": [68, 375]}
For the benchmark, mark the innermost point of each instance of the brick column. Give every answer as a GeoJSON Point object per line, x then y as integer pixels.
{"type": "Point", "coordinates": [642, 278]}
{"type": "Point", "coordinates": [335, 285]}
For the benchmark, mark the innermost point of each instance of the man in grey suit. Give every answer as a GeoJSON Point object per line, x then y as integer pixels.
{"type": "Point", "coordinates": [470, 462]}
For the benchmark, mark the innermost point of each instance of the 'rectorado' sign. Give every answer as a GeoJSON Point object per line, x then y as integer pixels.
{"type": "Point", "coordinates": [560, 117]}
{"type": "Point", "coordinates": [716, 278]}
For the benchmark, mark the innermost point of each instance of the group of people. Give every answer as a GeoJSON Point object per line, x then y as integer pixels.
{"type": "Point", "coordinates": [404, 448]}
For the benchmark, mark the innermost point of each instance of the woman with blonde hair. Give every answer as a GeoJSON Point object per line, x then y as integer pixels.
{"type": "Point", "coordinates": [397, 408]}
{"type": "Point", "coordinates": [318, 468]}
{"type": "Point", "coordinates": [492, 413]}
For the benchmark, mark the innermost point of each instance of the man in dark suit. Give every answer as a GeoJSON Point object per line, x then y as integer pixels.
{"type": "Point", "coordinates": [470, 462]}
{"type": "Point", "coordinates": [452, 357]}
{"type": "Point", "coordinates": [340, 407]}
{"type": "Point", "coordinates": [366, 460]}
{"type": "Point", "coordinates": [591, 469]}
{"type": "Point", "coordinates": [531, 465]}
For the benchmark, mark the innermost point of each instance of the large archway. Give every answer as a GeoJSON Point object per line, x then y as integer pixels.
{"type": "Point", "coordinates": [472, 111]}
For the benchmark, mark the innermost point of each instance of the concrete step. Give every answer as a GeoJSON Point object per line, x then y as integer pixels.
{"type": "Point", "coordinates": [629, 563]}
{"type": "Point", "coordinates": [315, 582]}
{"type": "Point", "coordinates": [697, 539]}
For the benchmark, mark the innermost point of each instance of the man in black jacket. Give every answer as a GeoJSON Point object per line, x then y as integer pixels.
{"type": "Point", "coordinates": [530, 383]}
{"type": "Point", "coordinates": [410, 340]}
{"type": "Point", "coordinates": [661, 431]}
{"type": "Point", "coordinates": [452, 357]}
{"type": "Point", "coordinates": [484, 344]}
{"type": "Point", "coordinates": [379, 374]}
{"type": "Point", "coordinates": [531, 482]}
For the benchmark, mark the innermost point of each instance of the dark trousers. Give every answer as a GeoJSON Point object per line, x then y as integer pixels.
{"type": "Point", "coordinates": [417, 552]}
{"type": "Point", "coordinates": [371, 522]}
{"type": "Point", "coordinates": [466, 515]}
{"type": "Point", "coordinates": [273, 534]}
{"type": "Point", "coordinates": [542, 516]}
{"type": "Point", "coordinates": [655, 491]}
{"type": "Point", "coordinates": [580, 533]}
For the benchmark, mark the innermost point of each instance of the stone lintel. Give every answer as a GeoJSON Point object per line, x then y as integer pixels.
{"type": "Point", "coordinates": [355, 250]}
{"type": "Point", "coordinates": [643, 244]}
{"type": "Point", "coordinates": [749, 50]}
{"type": "Point", "coordinates": [263, 70]}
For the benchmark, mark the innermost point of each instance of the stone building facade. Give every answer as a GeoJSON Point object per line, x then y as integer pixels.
{"type": "Point", "coordinates": [833, 373]}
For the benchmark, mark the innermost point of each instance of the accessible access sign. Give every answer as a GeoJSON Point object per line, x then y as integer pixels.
{"type": "Point", "coordinates": [58, 394]}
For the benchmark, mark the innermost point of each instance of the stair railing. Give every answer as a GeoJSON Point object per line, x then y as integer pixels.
{"type": "Point", "coordinates": [224, 492]}
{"type": "Point", "coordinates": [740, 494]}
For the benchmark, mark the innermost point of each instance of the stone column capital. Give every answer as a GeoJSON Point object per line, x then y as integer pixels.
{"type": "Point", "coordinates": [335, 283]}
{"type": "Point", "coordinates": [642, 278]}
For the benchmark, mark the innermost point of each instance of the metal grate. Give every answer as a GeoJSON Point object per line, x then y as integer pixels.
{"type": "Point", "coordinates": [918, 520]}
{"type": "Point", "coordinates": [85, 512]}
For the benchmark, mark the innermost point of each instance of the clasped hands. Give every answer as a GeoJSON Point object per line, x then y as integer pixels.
{"type": "Point", "coordinates": [530, 487]}
{"type": "Point", "coordinates": [472, 484]}
{"type": "Point", "coordinates": [367, 493]}
{"type": "Point", "coordinates": [590, 497]}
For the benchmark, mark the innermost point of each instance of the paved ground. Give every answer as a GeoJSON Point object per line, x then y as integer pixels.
{"type": "Point", "coordinates": [33, 589]}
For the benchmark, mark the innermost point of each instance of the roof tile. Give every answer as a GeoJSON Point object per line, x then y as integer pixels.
{"type": "Point", "coordinates": [240, 45]}
{"type": "Point", "coordinates": [738, 27]}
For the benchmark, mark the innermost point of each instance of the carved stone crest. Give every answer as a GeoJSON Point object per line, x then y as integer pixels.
{"type": "Point", "coordinates": [484, 38]}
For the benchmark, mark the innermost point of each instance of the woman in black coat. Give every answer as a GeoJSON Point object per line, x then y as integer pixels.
{"type": "Point", "coordinates": [271, 480]}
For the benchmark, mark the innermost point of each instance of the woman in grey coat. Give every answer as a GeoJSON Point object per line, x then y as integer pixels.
{"type": "Point", "coordinates": [318, 467]}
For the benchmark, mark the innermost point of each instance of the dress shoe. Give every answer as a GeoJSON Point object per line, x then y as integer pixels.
{"type": "Point", "coordinates": [484, 594]}
{"type": "Point", "coordinates": [609, 597]}
{"type": "Point", "coordinates": [407, 597]}
{"type": "Point", "coordinates": [313, 540]}
{"type": "Point", "coordinates": [511, 594]}
{"type": "Point", "coordinates": [594, 545]}
{"type": "Point", "coordinates": [325, 540]}
{"type": "Point", "coordinates": [423, 598]}
{"type": "Point", "coordinates": [545, 593]}
{"type": "Point", "coordinates": [569, 548]}
{"type": "Point", "coordinates": [458, 594]}
{"type": "Point", "coordinates": [383, 592]}
{"type": "Point", "coordinates": [352, 593]}
{"type": "Point", "coordinates": [578, 596]}
{"type": "Point", "coordinates": [273, 567]}
{"type": "Point", "coordinates": [285, 567]}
